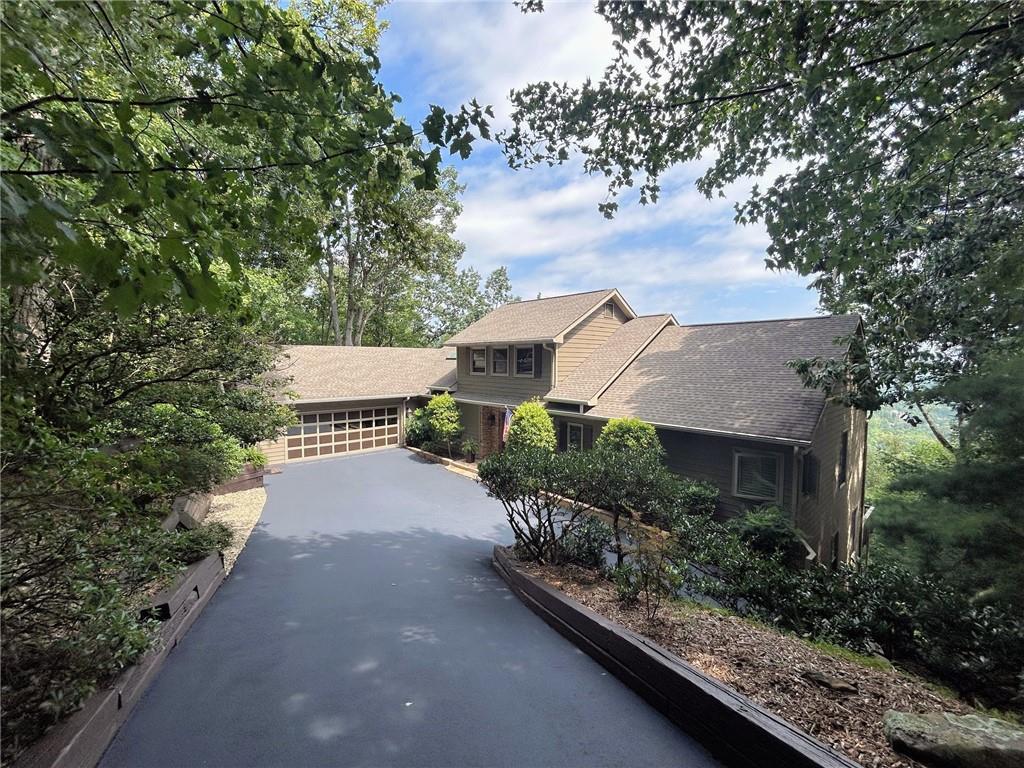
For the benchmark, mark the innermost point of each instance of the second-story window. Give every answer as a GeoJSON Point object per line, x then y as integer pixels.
{"type": "Point", "coordinates": [478, 361]}
{"type": "Point", "coordinates": [524, 361]}
{"type": "Point", "coordinates": [499, 361]}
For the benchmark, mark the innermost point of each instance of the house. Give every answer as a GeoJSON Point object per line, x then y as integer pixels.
{"type": "Point", "coordinates": [725, 403]}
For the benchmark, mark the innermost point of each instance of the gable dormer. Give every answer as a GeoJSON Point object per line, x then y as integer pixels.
{"type": "Point", "coordinates": [519, 350]}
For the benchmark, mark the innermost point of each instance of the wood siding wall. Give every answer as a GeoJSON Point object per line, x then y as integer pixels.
{"type": "Point", "coordinates": [706, 457]}
{"type": "Point", "coordinates": [503, 390]}
{"type": "Point", "coordinates": [585, 338]}
{"type": "Point", "coordinates": [834, 508]}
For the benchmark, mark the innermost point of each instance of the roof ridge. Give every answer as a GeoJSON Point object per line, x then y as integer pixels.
{"type": "Point", "coordinates": [354, 346]}
{"type": "Point", "coordinates": [560, 296]}
{"type": "Point", "coordinates": [769, 320]}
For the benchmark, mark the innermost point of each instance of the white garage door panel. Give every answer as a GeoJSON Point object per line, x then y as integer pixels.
{"type": "Point", "coordinates": [327, 433]}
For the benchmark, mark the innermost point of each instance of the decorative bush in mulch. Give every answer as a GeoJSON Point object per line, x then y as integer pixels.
{"type": "Point", "coordinates": [839, 701]}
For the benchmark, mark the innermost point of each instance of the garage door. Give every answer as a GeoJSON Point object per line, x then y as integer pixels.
{"type": "Point", "coordinates": [328, 433]}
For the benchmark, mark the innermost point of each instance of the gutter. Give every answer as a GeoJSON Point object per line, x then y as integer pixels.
{"type": "Point", "coordinates": [360, 398]}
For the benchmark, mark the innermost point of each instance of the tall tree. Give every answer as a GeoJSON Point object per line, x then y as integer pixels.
{"type": "Point", "coordinates": [145, 142]}
{"type": "Point", "coordinates": [900, 125]}
{"type": "Point", "coordinates": [381, 238]}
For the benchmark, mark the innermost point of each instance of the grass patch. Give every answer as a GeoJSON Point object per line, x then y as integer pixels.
{"type": "Point", "coordinates": [874, 662]}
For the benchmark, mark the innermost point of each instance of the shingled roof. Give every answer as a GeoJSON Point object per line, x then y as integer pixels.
{"type": "Point", "coordinates": [729, 378]}
{"type": "Point", "coordinates": [538, 320]}
{"type": "Point", "coordinates": [592, 375]}
{"type": "Point", "coordinates": [321, 373]}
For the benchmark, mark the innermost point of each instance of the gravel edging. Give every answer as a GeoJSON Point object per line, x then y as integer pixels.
{"type": "Point", "coordinates": [239, 511]}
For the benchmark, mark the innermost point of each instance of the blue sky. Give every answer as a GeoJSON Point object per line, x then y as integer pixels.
{"type": "Point", "coordinates": [684, 255]}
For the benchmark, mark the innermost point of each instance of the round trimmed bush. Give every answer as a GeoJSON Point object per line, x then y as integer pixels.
{"type": "Point", "coordinates": [629, 435]}
{"type": "Point", "coordinates": [531, 428]}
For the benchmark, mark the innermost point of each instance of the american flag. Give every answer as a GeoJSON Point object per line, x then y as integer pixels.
{"type": "Point", "coordinates": [508, 420]}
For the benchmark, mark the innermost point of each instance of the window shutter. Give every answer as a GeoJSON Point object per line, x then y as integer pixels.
{"type": "Point", "coordinates": [588, 437]}
{"type": "Point", "coordinates": [563, 435]}
{"type": "Point", "coordinates": [538, 358]}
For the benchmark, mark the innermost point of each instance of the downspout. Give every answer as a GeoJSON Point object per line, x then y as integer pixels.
{"type": "Point", "coordinates": [812, 555]}
{"type": "Point", "coordinates": [554, 364]}
{"type": "Point", "coordinates": [796, 489]}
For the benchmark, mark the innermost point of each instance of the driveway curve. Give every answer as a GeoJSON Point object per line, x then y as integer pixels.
{"type": "Point", "coordinates": [363, 625]}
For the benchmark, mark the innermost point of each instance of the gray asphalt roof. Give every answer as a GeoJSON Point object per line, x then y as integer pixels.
{"type": "Point", "coordinates": [535, 320]}
{"type": "Point", "coordinates": [600, 367]}
{"type": "Point", "coordinates": [363, 625]}
{"type": "Point", "coordinates": [328, 372]}
{"type": "Point", "coordinates": [729, 377]}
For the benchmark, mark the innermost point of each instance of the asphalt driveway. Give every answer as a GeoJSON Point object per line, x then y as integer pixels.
{"type": "Point", "coordinates": [363, 625]}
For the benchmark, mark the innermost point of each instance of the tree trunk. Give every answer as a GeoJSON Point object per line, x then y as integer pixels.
{"type": "Point", "coordinates": [935, 429]}
{"type": "Point", "coordinates": [332, 294]}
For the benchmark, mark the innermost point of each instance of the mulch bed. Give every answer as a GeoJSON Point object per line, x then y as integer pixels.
{"type": "Point", "coordinates": [768, 667]}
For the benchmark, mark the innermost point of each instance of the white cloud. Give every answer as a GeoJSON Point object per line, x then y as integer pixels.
{"type": "Point", "coordinates": [484, 50]}
{"type": "Point", "coordinates": [683, 254]}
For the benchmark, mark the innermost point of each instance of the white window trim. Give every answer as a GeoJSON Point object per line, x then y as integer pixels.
{"type": "Point", "coordinates": [508, 362]}
{"type": "Point", "coordinates": [471, 371]}
{"type": "Point", "coordinates": [568, 435]}
{"type": "Point", "coordinates": [608, 305]}
{"type": "Point", "coordinates": [779, 462]}
{"type": "Point", "coordinates": [515, 361]}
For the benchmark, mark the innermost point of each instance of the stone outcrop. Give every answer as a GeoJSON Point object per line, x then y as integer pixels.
{"type": "Point", "coordinates": [944, 740]}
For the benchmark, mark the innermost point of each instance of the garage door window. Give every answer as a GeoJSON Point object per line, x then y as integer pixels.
{"type": "Point", "coordinates": [334, 432]}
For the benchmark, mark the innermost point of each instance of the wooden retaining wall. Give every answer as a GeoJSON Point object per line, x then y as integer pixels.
{"type": "Point", "coordinates": [732, 727]}
{"type": "Point", "coordinates": [80, 740]}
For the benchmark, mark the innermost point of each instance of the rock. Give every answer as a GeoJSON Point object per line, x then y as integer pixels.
{"type": "Point", "coordinates": [945, 740]}
{"type": "Point", "coordinates": [829, 681]}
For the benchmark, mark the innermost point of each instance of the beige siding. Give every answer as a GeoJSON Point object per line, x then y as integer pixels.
{"type": "Point", "coordinates": [834, 508]}
{"type": "Point", "coordinates": [707, 457]}
{"type": "Point", "coordinates": [502, 390]}
{"type": "Point", "coordinates": [582, 340]}
{"type": "Point", "coordinates": [273, 450]}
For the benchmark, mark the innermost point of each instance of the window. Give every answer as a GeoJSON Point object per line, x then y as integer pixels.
{"type": "Point", "coordinates": [809, 477]}
{"type": "Point", "coordinates": [499, 361]}
{"type": "Point", "coordinates": [608, 310]}
{"type": "Point", "coordinates": [757, 476]}
{"type": "Point", "coordinates": [574, 439]}
{"type": "Point", "coordinates": [478, 361]}
{"type": "Point", "coordinates": [524, 361]}
{"type": "Point", "coordinates": [844, 447]}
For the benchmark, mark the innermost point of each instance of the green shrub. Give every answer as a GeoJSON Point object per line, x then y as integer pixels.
{"type": "Point", "coordinates": [193, 545]}
{"type": "Point", "coordinates": [632, 482]}
{"type": "Point", "coordinates": [697, 497]}
{"type": "Point", "coordinates": [531, 427]}
{"type": "Point", "coordinates": [629, 434]}
{"type": "Point", "coordinates": [878, 606]}
{"type": "Point", "coordinates": [529, 483]}
{"type": "Point", "coordinates": [586, 544]}
{"type": "Point", "coordinates": [627, 586]}
{"type": "Point", "coordinates": [253, 455]}
{"type": "Point", "coordinates": [444, 421]}
{"type": "Point", "coordinates": [767, 529]}
{"type": "Point", "coordinates": [650, 576]}
{"type": "Point", "coordinates": [470, 447]}
{"type": "Point", "coordinates": [417, 428]}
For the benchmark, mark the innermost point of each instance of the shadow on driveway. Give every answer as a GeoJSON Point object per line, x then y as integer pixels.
{"type": "Point", "coordinates": [363, 625]}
